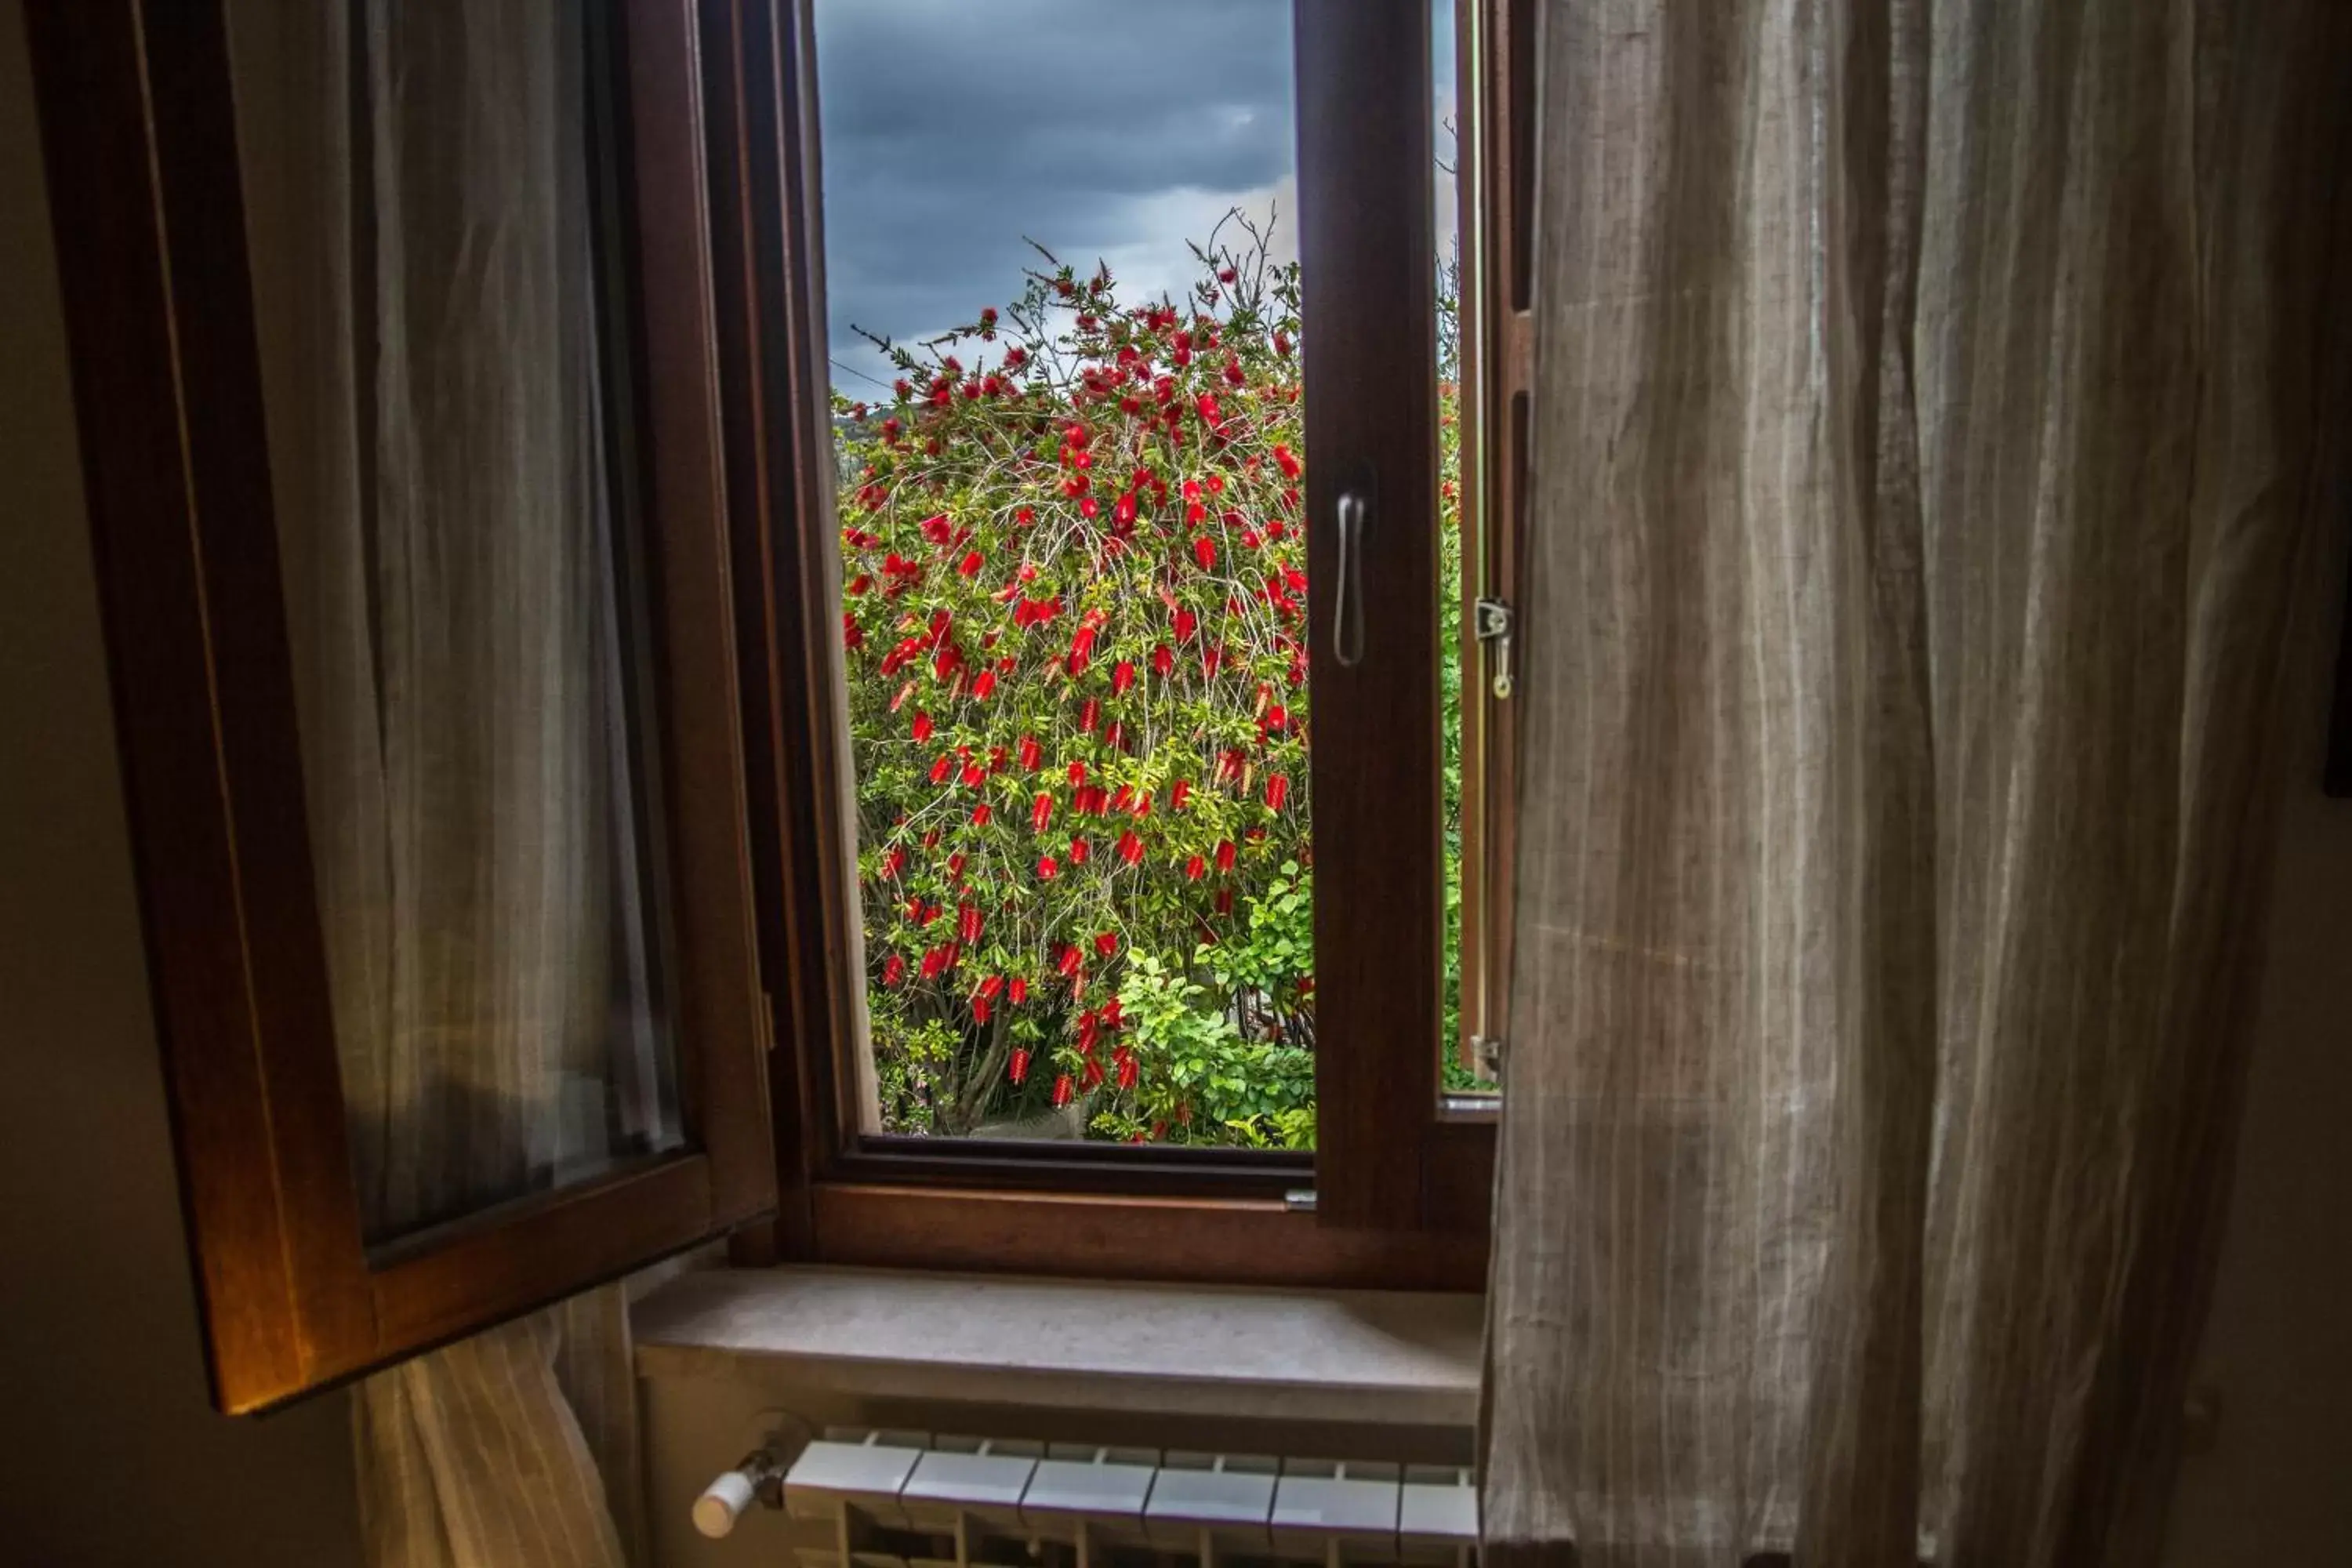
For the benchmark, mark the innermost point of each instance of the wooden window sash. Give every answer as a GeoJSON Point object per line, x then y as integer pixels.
{"type": "Point", "coordinates": [139, 140]}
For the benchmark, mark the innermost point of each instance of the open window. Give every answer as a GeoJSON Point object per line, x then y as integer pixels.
{"type": "Point", "coordinates": [1018, 790]}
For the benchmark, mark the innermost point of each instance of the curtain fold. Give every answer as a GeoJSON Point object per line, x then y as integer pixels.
{"type": "Point", "coordinates": [419, 209]}
{"type": "Point", "coordinates": [1927, 433]}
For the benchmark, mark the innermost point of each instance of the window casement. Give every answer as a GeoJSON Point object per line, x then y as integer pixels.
{"type": "Point", "coordinates": [748, 1108]}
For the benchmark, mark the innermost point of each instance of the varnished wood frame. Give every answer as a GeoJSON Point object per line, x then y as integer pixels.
{"type": "Point", "coordinates": [1077, 1209]}
{"type": "Point", "coordinates": [140, 142]}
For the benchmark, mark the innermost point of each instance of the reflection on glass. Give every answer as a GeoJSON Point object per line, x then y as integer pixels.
{"type": "Point", "coordinates": [1067, 387]}
{"type": "Point", "coordinates": [419, 203]}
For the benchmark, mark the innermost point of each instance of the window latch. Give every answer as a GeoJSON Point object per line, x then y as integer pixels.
{"type": "Point", "coordinates": [1493, 626]}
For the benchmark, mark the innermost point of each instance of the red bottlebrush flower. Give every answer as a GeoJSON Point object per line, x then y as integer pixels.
{"type": "Point", "coordinates": [1079, 850]}
{"type": "Point", "coordinates": [1206, 405]}
{"type": "Point", "coordinates": [1224, 900]}
{"type": "Point", "coordinates": [979, 1009]}
{"type": "Point", "coordinates": [1194, 868]}
{"type": "Point", "coordinates": [1282, 345]}
{"type": "Point", "coordinates": [852, 634]}
{"type": "Point", "coordinates": [1018, 990]}
{"type": "Point", "coordinates": [1040, 811]}
{"type": "Point", "coordinates": [891, 427]}
{"type": "Point", "coordinates": [972, 776]}
{"type": "Point", "coordinates": [1094, 1072]}
{"type": "Point", "coordinates": [1096, 797]}
{"type": "Point", "coordinates": [1122, 676]}
{"type": "Point", "coordinates": [1068, 965]}
{"type": "Point", "coordinates": [894, 860]}
{"type": "Point", "coordinates": [1225, 855]}
{"type": "Point", "coordinates": [982, 685]}
{"type": "Point", "coordinates": [987, 317]}
{"type": "Point", "coordinates": [1204, 551]}
{"type": "Point", "coordinates": [969, 924]}
{"type": "Point", "coordinates": [1179, 792]}
{"type": "Point", "coordinates": [1076, 664]}
{"type": "Point", "coordinates": [941, 769]}
{"type": "Point", "coordinates": [894, 970]}
{"type": "Point", "coordinates": [1046, 868]}
{"type": "Point", "coordinates": [1122, 512]}
{"type": "Point", "coordinates": [1163, 661]}
{"type": "Point", "coordinates": [1224, 274]}
{"type": "Point", "coordinates": [1130, 847]}
{"type": "Point", "coordinates": [859, 583]}
{"type": "Point", "coordinates": [1082, 642]}
{"type": "Point", "coordinates": [1105, 943]}
{"type": "Point", "coordinates": [1015, 357]}
{"type": "Point", "coordinates": [1143, 807]}
{"type": "Point", "coordinates": [1194, 514]}
{"type": "Point", "coordinates": [1287, 461]}
{"type": "Point", "coordinates": [921, 728]}
{"type": "Point", "coordinates": [1277, 718]}
{"type": "Point", "coordinates": [1020, 1067]}
{"type": "Point", "coordinates": [1127, 1069]}
{"type": "Point", "coordinates": [1278, 790]}
{"type": "Point", "coordinates": [1089, 508]}
{"type": "Point", "coordinates": [955, 867]}
{"type": "Point", "coordinates": [1123, 797]}
{"type": "Point", "coordinates": [937, 529]}
{"type": "Point", "coordinates": [1186, 624]}
{"type": "Point", "coordinates": [931, 839]}
{"type": "Point", "coordinates": [991, 986]}
{"type": "Point", "coordinates": [971, 564]}
{"type": "Point", "coordinates": [1116, 738]}
{"type": "Point", "coordinates": [981, 813]}
{"type": "Point", "coordinates": [1061, 1090]}
{"type": "Point", "coordinates": [1089, 712]}
{"type": "Point", "coordinates": [1031, 752]}
{"type": "Point", "coordinates": [1111, 1018]}
{"type": "Point", "coordinates": [1230, 764]}
{"type": "Point", "coordinates": [934, 961]}
{"type": "Point", "coordinates": [1233, 372]}
{"type": "Point", "coordinates": [1217, 482]}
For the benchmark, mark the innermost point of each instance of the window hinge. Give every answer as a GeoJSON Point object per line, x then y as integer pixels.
{"type": "Point", "coordinates": [1299, 1200]}
{"type": "Point", "coordinates": [1489, 1054]}
{"type": "Point", "coordinates": [1493, 626]}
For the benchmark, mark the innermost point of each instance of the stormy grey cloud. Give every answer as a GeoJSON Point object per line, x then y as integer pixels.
{"type": "Point", "coordinates": [1104, 129]}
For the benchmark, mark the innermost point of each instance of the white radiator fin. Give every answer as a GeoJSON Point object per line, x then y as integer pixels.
{"type": "Point", "coordinates": [904, 1499]}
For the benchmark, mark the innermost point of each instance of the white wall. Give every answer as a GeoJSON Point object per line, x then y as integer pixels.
{"type": "Point", "coordinates": [110, 1453]}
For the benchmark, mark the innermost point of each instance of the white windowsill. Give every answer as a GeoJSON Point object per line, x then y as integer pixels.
{"type": "Point", "coordinates": [1382, 1357]}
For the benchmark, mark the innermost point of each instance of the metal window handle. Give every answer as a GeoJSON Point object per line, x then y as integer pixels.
{"type": "Point", "coordinates": [1347, 614]}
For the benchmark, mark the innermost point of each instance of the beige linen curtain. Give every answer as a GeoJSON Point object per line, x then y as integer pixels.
{"type": "Point", "coordinates": [1932, 413]}
{"type": "Point", "coordinates": [417, 185]}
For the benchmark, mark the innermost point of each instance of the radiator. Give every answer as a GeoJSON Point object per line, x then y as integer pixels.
{"type": "Point", "coordinates": [859, 1499]}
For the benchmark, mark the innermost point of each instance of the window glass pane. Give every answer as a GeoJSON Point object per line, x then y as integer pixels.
{"type": "Point", "coordinates": [459, 607]}
{"type": "Point", "coordinates": [1063, 302]}
{"type": "Point", "coordinates": [1457, 555]}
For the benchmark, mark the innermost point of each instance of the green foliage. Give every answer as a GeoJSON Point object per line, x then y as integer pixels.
{"type": "Point", "coordinates": [1074, 602]}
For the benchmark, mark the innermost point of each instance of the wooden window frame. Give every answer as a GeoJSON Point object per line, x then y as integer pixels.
{"type": "Point", "coordinates": [141, 145]}
{"type": "Point", "coordinates": [1402, 1179]}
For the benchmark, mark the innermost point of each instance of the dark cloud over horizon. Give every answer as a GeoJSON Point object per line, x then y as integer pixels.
{"type": "Point", "coordinates": [1103, 129]}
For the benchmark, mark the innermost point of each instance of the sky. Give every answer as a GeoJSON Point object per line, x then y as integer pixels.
{"type": "Point", "coordinates": [1110, 130]}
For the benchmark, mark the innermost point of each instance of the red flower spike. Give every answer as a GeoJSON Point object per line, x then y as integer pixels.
{"type": "Point", "coordinates": [1225, 855]}
{"type": "Point", "coordinates": [1130, 848]}
{"type": "Point", "coordinates": [955, 868]}
{"type": "Point", "coordinates": [970, 566]}
{"type": "Point", "coordinates": [1020, 1069]}
{"type": "Point", "coordinates": [981, 813]}
{"type": "Point", "coordinates": [1194, 868]}
{"type": "Point", "coordinates": [1089, 711]}
{"type": "Point", "coordinates": [1163, 660]}
{"type": "Point", "coordinates": [1105, 943]}
{"type": "Point", "coordinates": [1179, 792]}
{"type": "Point", "coordinates": [1127, 1069]}
{"type": "Point", "coordinates": [921, 728]}
{"type": "Point", "coordinates": [967, 924]}
{"type": "Point", "coordinates": [1078, 851]}
{"type": "Point", "coordinates": [1077, 772]}
{"type": "Point", "coordinates": [894, 970]}
{"type": "Point", "coordinates": [1031, 752]}
{"type": "Point", "coordinates": [1040, 811]}
{"type": "Point", "coordinates": [1094, 1072]}
{"type": "Point", "coordinates": [1061, 1090]}
{"type": "Point", "coordinates": [972, 776]}
{"type": "Point", "coordinates": [1019, 991]}
{"type": "Point", "coordinates": [852, 635]}
{"type": "Point", "coordinates": [979, 1009]}
{"type": "Point", "coordinates": [933, 961]}
{"type": "Point", "coordinates": [1123, 798]}
{"type": "Point", "coordinates": [1278, 790]}
{"type": "Point", "coordinates": [1122, 676]}
{"type": "Point", "coordinates": [1204, 551]}
{"type": "Point", "coordinates": [1046, 868]}
{"type": "Point", "coordinates": [894, 860]}
{"type": "Point", "coordinates": [983, 685]}
{"type": "Point", "coordinates": [1224, 900]}
{"type": "Point", "coordinates": [1186, 623]}
{"type": "Point", "coordinates": [991, 986]}
{"type": "Point", "coordinates": [1067, 966]}
{"type": "Point", "coordinates": [942, 769]}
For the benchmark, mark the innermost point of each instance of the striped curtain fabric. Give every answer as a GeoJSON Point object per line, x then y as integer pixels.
{"type": "Point", "coordinates": [1936, 401]}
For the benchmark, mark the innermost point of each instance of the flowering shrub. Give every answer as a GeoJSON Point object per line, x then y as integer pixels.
{"type": "Point", "coordinates": [1074, 607]}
